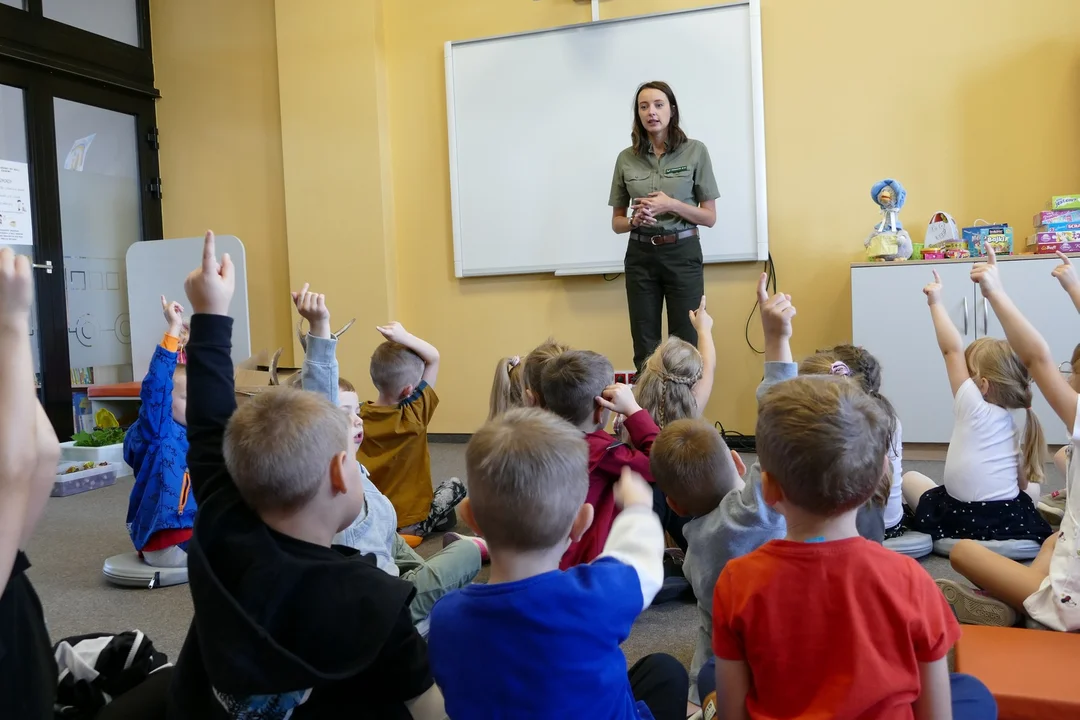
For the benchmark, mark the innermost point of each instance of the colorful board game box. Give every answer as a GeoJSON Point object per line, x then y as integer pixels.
{"type": "Point", "coordinates": [1051, 248]}
{"type": "Point", "coordinates": [1055, 216]}
{"type": "Point", "coordinates": [1000, 236]}
{"type": "Point", "coordinates": [1064, 202]}
{"type": "Point", "coordinates": [1065, 236]}
{"type": "Point", "coordinates": [1058, 226]}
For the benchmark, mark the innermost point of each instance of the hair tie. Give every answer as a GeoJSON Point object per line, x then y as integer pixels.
{"type": "Point", "coordinates": [840, 368]}
{"type": "Point", "coordinates": [514, 361]}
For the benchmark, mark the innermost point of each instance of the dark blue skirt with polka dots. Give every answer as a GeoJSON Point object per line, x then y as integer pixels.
{"type": "Point", "coordinates": [941, 515]}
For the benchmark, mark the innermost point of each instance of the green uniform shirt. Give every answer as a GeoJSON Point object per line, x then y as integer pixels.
{"type": "Point", "coordinates": [685, 174]}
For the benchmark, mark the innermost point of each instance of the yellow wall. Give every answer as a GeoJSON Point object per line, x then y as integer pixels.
{"type": "Point", "coordinates": [335, 136]}
{"type": "Point", "coordinates": [216, 67]}
{"type": "Point", "coordinates": [970, 103]}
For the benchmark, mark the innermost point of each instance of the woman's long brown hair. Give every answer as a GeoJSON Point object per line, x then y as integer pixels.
{"type": "Point", "coordinates": [640, 136]}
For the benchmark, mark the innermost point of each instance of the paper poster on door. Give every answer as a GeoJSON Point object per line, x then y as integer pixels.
{"type": "Point", "coordinates": [16, 224]}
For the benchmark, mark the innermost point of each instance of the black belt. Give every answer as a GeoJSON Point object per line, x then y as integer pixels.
{"type": "Point", "coordinates": [664, 239]}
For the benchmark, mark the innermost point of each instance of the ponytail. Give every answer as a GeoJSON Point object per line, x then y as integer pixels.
{"type": "Point", "coordinates": [507, 389]}
{"type": "Point", "coordinates": [1034, 449]}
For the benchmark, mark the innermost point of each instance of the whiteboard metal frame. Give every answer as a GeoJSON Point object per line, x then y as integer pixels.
{"type": "Point", "coordinates": [757, 86]}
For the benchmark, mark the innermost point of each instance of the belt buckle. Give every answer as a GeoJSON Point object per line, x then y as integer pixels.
{"type": "Point", "coordinates": [653, 240]}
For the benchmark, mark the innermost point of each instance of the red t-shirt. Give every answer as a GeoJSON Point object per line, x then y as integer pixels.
{"type": "Point", "coordinates": [830, 630]}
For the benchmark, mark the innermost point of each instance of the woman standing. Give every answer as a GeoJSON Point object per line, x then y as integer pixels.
{"type": "Point", "coordinates": [667, 180]}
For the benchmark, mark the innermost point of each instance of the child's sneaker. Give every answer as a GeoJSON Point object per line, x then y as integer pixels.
{"type": "Point", "coordinates": [975, 607]}
{"type": "Point", "coordinates": [453, 537]}
{"type": "Point", "coordinates": [1052, 507]}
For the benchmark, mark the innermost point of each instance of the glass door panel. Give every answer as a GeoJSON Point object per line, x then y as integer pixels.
{"type": "Point", "coordinates": [16, 217]}
{"type": "Point", "coordinates": [100, 217]}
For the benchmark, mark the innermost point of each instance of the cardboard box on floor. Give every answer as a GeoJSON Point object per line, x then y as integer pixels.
{"type": "Point", "coordinates": [261, 373]}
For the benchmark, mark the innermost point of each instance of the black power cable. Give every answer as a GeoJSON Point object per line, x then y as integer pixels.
{"type": "Point", "coordinates": [770, 277]}
{"type": "Point", "coordinates": [735, 439]}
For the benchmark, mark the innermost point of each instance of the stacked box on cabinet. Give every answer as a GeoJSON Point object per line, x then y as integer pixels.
{"type": "Point", "coordinates": [1057, 227]}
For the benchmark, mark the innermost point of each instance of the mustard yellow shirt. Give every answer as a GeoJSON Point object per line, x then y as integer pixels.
{"type": "Point", "coordinates": [395, 452]}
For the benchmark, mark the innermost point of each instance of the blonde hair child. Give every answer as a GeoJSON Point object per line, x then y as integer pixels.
{"type": "Point", "coordinates": [677, 379]}
{"type": "Point", "coordinates": [508, 387]}
{"type": "Point", "coordinates": [534, 369]}
{"type": "Point", "coordinates": [863, 367]}
{"type": "Point", "coordinates": [990, 480]}
{"type": "Point", "coordinates": [1045, 590]}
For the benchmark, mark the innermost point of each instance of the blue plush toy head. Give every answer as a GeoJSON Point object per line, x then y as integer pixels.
{"type": "Point", "coordinates": [889, 194]}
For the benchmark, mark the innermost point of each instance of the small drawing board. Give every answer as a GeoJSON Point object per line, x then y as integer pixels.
{"type": "Point", "coordinates": [159, 267]}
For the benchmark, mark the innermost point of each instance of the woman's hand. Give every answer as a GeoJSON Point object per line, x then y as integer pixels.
{"type": "Point", "coordinates": [658, 203]}
{"type": "Point", "coordinates": [642, 217]}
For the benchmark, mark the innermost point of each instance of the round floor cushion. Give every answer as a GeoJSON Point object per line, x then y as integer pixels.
{"type": "Point", "coordinates": [911, 543]}
{"type": "Point", "coordinates": [129, 570]}
{"type": "Point", "coordinates": [1012, 549]}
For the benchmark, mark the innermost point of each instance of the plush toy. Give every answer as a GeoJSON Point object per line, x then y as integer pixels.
{"type": "Point", "coordinates": [889, 240]}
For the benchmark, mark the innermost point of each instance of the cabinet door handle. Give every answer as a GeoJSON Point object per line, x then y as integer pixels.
{"type": "Point", "coordinates": [965, 316]}
{"type": "Point", "coordinates": [986, 317]}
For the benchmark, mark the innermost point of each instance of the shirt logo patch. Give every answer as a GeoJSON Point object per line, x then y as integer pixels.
{"type": "Point", "coordinates": [672, 171]}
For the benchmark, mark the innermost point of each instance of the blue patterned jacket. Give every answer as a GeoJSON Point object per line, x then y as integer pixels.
{"type": "Point", "coordinates": [156, 448]}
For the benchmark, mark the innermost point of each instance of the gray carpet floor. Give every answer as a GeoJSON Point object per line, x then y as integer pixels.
{"type": "Point", "coordinates": [79, 532]}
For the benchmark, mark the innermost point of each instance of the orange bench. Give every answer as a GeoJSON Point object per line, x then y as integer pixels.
{"type": "Point", "coordinates": [1031, 673]}
{"type": "Point", "coordinates": [124, 389]}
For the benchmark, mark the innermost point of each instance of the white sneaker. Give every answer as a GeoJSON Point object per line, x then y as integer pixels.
{"type": "Point", "coordinates": [975, 607]}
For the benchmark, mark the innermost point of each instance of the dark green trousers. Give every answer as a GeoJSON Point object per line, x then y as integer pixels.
{"type": "Point", "coordinates": [656, 274]}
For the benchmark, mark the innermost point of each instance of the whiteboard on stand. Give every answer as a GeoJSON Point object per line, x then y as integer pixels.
{"type": "Point", "coordinates": [537, 119]}
{"type": "Point", "coordinates": [159, 267]}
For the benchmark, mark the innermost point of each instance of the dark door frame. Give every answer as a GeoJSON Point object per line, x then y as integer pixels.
{"type": "Point", "coordinates": [39, 87]}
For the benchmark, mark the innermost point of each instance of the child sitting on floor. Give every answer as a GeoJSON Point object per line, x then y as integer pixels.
{"type": "Point", "coordinates": [395, 448]}
{"type": "Point", "coordinates": [544, 643]}
{"type": "Point", "coordinates": [991, 480]}
{"type": "Point", "coordinates": [161, 511]}
{"type": "Point", "coordinates": [745, 521]}
{"type": "Point", "coordinates": [1052, 504]}
{"type": "Point", "coordinates": [375, 529]}
{"type": "Point", "coordinates": [882, 517]}
{"type": "Point", "coordinates": [577, 386]}
{"type": "Point", "coordinates": [695, 469]}
{"type": "Point", "coordinates": [676, 382]}
{"type": "Point", "coordinates": [824, 623]}
{"type": "Point", "coordinates": [534, 365]}
{"type": "Point", "coordinates": [677, 379]}
{"type": "Point", "coordinates": [286, 624]}
{"type": "Point", "coordinates": [508, 387]}
{"type": "Point", "coordinates": [1048, 590]}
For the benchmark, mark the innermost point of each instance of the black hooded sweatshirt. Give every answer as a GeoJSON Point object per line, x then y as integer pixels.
{"type": "Point", "coordinates": [281, 625]}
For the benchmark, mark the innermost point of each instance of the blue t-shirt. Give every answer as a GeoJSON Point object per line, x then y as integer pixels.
{"type": "Point", "coordinates": [544, 647]}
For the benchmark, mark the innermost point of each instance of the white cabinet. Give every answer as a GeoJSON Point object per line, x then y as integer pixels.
{"type": "Point", "coordinates": [889, 318]}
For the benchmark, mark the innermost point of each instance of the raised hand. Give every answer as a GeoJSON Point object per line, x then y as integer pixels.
{"type": "Point", "coordinates": [932, 291]}
{"type": "Point", "coordinates": [632, 490]}
{"type": "Point", "coordinates": [700, 318]}
{"type": "Point", "coordinates": [174, 316]}
{"type": "Point", "coordinates": [394, 332]}
{"type": "Point", "coordinates": [16, 287]}
{"type": "Point", "coordinates": [1066, 273]}
{"type": "Point", "coordinates": [986, 274]}
{"type": "Point", "coordinates": [312, 307]}
{"type": "Point", "coordinates": [210, 287]}
{"type": "Point", "coordinates": [619, 398]}
{"type": "Point", "coordinates": [776, 312]}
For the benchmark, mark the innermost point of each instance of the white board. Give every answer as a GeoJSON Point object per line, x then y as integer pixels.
{"type": "Point", "coordinates": [159, 267]}
{"type": "Point", "coordinates": [536, 121]}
